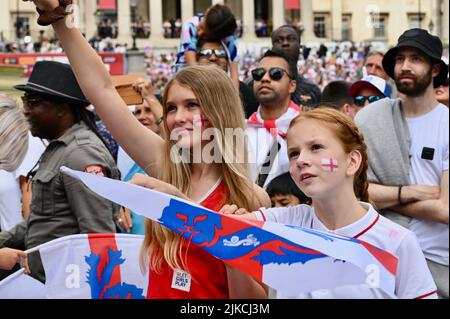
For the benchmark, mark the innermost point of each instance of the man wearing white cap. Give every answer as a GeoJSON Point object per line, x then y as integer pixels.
{"type": "Point", "coordinates": [369, 90]}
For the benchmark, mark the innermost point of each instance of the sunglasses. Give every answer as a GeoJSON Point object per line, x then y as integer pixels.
{"type": "Point", "coordinates": [275, 74]}
{"type": "Point", "coordinates": [361, 100]}
{"type": "Point", "coordinates": [220, 53]}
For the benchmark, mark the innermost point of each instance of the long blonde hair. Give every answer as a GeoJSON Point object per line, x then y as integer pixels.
{"type": "Point", "coordinates": [13, 135]}
{"type": "Point", "coordinates": [220, 103]}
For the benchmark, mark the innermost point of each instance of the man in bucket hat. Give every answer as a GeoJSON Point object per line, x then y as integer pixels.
{"type": "Point", "coordinates": [55, 108]}
{"type": "Point", "coordinates": [407, 143]}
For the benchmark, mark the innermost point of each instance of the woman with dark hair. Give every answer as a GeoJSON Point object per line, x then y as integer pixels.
{"type": "Point", "coordinates": [216, 24]}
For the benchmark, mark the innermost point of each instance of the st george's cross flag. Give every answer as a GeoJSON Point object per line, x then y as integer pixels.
{"type": "Point", "coordinates": [287, 258]}
{"type": "Point", "coordinates": [85, 266]}
{"type": "Point", "coordinates": [94, 266]}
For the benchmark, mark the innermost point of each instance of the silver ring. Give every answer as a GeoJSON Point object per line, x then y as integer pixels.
{"type": "Point", "coordinates": [120, 220]}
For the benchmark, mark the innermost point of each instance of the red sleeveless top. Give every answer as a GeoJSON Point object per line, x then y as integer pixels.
{"type": "Point", "coordinates": [207, 277]}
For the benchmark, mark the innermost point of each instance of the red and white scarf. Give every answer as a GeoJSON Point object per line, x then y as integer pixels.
{"type": "Point", "coordinates": [279, 126]}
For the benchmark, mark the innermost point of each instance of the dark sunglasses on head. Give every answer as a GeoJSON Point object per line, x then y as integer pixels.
{"type": "Point", "coordinates": [276, 74]}
{"type": "Point", "coordinates": [361, 100]}
{"type": "Point", "coordinates": [209, 52]}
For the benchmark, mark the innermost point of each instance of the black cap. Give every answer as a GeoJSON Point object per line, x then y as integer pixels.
{"type": "Point", "coordinates": [428, 44]}
{"type": "Point", "coordinates": [55, 79]}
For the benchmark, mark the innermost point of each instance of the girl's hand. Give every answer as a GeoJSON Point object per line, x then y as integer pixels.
{"type": "Point", "coordinates": [157, 185]}
{"type": "Point", "coordinates": [45, 5]}
{"type": "Point", "coordinates": [233, 210]}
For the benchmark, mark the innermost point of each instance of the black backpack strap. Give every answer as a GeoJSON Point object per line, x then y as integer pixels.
{"type": "Point", "coordinates": [268, 164]}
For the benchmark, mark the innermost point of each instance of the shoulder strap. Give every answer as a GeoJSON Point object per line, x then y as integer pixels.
{"type": "Point", "coordinates": [268, 164]}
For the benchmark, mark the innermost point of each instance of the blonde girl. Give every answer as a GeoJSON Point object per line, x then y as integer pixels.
{"type": "Point", "coordinates": [198, 98]}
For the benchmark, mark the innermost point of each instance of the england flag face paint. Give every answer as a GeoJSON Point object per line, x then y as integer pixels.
{"type": "Point", "coordinates": [330, 165]}
{"type": "Point", "coordinates": [200, 120]}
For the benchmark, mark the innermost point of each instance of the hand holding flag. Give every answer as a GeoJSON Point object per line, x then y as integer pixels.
{"type": "Point", "coordinates": [288, 258]}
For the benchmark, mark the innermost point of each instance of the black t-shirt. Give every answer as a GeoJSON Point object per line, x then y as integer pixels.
{"type": "Point", "coordinates": [307, 93]}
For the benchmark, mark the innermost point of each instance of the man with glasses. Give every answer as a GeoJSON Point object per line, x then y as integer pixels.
{"type": "Point", "coordinates": [215, 53]}
{"type": "Point", "coordinates": [274, 83]}
{"type": "Point", "coordinates": [55, 108]}
{"type": "Point", "coordinates": [367, 91]}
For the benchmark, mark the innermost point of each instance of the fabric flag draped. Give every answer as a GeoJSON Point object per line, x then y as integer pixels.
{"type": "Point", "coordinates": [94, 266]}
{"type": "Point", "coordinates": [21, 286]}
{"type": "Point", "coordinates": [291, 259]}
{"type": "Point", "coordinates": [86, 266]}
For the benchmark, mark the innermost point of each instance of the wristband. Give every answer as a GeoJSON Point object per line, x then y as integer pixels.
{"type": "Point", "coordinates": [400, 195]}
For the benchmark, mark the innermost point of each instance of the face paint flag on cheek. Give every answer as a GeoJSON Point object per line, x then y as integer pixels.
{"type": "Point", "coordinates": [330, 165]}
{"type": "Point", "coordinates": [288, 258]}
{"type": "Point", "coordinates": [200, 120]}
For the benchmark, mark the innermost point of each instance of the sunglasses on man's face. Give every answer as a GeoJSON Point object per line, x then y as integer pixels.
{"type": "Point", "coordinates": [361, 100]}
{"type": "Point", "coordinates": [209, 52]}
{"type": "Point", "coordinates": [275, 74]}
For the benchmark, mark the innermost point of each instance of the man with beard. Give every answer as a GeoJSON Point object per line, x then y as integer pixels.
{"type": "Point", "coordinates": [274, 82]}
{"type": "Point", "coordinates": [407, 143]}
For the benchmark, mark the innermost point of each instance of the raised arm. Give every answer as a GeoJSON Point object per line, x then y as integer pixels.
{"type": "Point", "coordinates": [144, 146]}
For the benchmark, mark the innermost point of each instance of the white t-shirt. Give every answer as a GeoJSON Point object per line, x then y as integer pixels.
{"type": "Point", "coordinates": [429, 134]}
{"type": "Point", "coordinates": [413, 279]}
{"type": "Point", "coordinates": [10, 192]}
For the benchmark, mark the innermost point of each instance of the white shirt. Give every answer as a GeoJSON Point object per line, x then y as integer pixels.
{"type": "Point", "coordinates": [260, 141]}
{"type": "Point", "coordinates": [413, 279]}
{"type": "Point", "coordinates": [430, 131]}
{"type": "Point", "coordinates": [10, 192]}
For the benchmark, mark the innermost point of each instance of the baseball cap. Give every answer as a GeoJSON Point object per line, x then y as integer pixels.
{"type": "Point", "coordinates": [371, 81]}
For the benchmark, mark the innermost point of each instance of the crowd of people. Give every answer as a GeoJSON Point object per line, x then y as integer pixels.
{"type": "Point", "coordinates": [348, 140]}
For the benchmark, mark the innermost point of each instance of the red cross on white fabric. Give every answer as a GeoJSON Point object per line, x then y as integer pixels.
{"type": "Point", "coordinates": [330, 165]}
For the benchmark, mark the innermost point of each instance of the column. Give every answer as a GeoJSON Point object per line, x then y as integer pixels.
{"type": "Point", "coordinates": [124, 21]}
{"type": "Point", "coordinates": [187, 9]}
{"type": "Point", "coordinates": [248, 20]}
{"type": "Point", "coordinates": [278, 13]}
{"type": "Point", "coordinates": [336, 18]}
{"type": "Point", "coordinates": [156, 19]}
{"type": "Point", "coordinates": [90, 24]}
{"type": "Point", "coordinates": [445, 22]}
{"type": "Point", "coordinates": [6, 25]}
{"type": "Point", "coordinates": [307, 17]}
